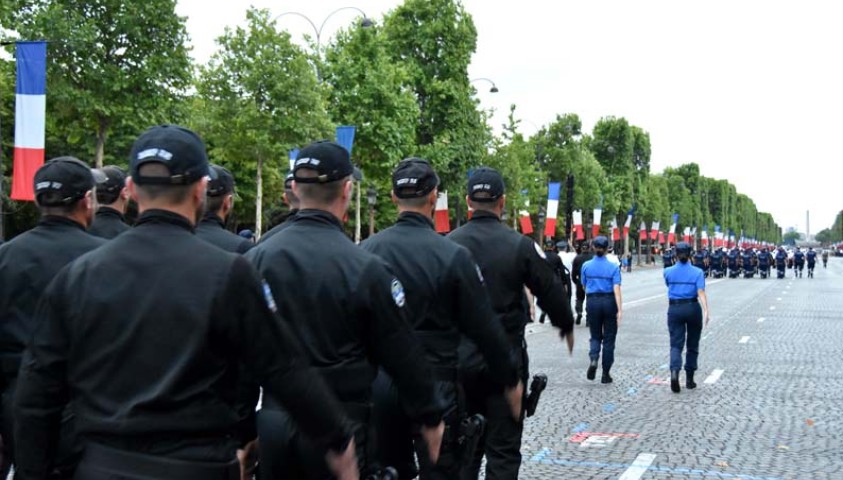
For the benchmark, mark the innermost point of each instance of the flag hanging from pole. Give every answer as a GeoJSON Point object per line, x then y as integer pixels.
{"type": "Point", "coordinates": [704, 237]}
{"type": "Point", "coordinates": [595, 222]}
{"type": "Point", "coordinates": [628, 222]}
{"type": "Point", "coordinates": [30, 115]}
{"type": "Point", "coordinates": [442, 221]}
{"type": "Point", "coordinates": [654, 231]}
{"type": "Point", "coordinates": [642, 234]}
{"type": "Point", "coordinates": [552, 209]}
{"type": "Point", "coordinates": [578, 224]}
{"type": "Point", "coordinates": [616, 233]}
{"type": "Point", "coordinates": [671, 234]}
{"type": "Point", "coordinates": [526, 223]}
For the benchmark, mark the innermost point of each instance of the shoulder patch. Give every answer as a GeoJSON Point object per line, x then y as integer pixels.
{"type": "Point", "coordinates": [267, 295]}
{"type": "Point", "coordinates": [398, 293]}
{"type": "Point", "coordinates": [539, 251]}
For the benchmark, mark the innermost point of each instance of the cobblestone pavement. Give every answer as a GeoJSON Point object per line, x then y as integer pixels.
{"type": "Point", "coordinates": [774, 410]}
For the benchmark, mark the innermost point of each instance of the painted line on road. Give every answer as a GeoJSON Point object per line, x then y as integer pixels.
{"type": "Point", "coordinates": [773, 307]}
{"type": "Point", "coordinates": [761, 320]}
{"type": "Point", "coordinates": [715, 375]}
{"type": "Point", "coordinates": [779, 299]}
{"type": "Point", "coordinates": [744, 339]}
{"type": "Point", "coordinates": [544, 458]}
{"type": "Point", "coordinates": [639, 466]}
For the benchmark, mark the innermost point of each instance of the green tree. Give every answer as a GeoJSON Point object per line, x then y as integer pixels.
{"type": "Point", "coordinates": [613, 145]}
{"type": "Point", "coordinates": [259, 98]}
{"type": "Point", "coordinates": [115, 66]}
{"type": "Point", "coordinates": [368, 91]}
{"type": "Point", "coordinates": [434, 40]}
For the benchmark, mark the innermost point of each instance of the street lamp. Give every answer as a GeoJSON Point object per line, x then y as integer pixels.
{"type": "Point", "coordinates": [494, 88]}
{"type": "Point", "coordinates": [365, 22]}
{"type": "Point", "coordinates": [372, 198]}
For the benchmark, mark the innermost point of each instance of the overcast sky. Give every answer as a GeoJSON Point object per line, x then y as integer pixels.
{"type": "Point", "coordinates": [752, 91]}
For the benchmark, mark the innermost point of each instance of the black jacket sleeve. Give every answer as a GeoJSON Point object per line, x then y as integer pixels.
{"type": "Point", "coordinates": [271, 352]}
{"type": "Point", "coordinates": [476, 320]}
{"type": "Point", "coordinates": [547, 288]}
{"type": "Point", "coordinates": [396, 347]}
{"type": "Point", "coordinates": [42, 390]}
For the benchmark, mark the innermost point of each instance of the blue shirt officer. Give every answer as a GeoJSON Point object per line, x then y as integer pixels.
{"type": "Point", "coordinates": [781, 262]}
{"type": "Point", "coordinates": [811, 257]}
{"type": "Point", "coordinates": [685, 291]}
{"type": "Point", "coordinates": [602, 281]}
{"type": "Point", "coordinates": [798, 262]}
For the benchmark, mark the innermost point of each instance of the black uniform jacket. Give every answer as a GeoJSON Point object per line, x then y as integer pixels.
{"type": "Point", "coordinates": [348, 310]}
{"type": "Point", "coordinates": [146, 334]}
{"type": "Point", "coordinates": [508, 262]}
{"type": "Point", "coordinates": [446, 295]}
{"type": "Point", "coordinates": [27, 264]}
{"type": "Point", "coordinates": [576, 266]}
{"type": "Point", "coordinates": [212, 230]}
{"type": "Point", "coordinates": [555, 262]}
{"type": "Point", "coordinates": [108, 223]}
{"type": "Point", "coordinates": [288, 220]}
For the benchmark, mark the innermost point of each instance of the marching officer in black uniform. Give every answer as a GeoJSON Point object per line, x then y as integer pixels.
{"type": "Point", "coordinates": [583, 255]}
{"type": "Point", "coordinates": [555, 261]}
{"type": "Point", "coordinates": [64, 193]}
{"type": "Point", "coordinates": [349, 311]}
{"type": "Point", "coordinates": [220, 204]}
{"type": "Point", "coordinates": [446, 297]}
{"type": "Point", "coordinates": [112, 197]}
{"type": "Point", "coordinates": [146, 334]}
{"type": "Point", "coordinates": [508, 261]}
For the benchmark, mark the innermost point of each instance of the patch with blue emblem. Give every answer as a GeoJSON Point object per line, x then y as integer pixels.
{"type": "Point", "coordinates": [267, 294]}
{"type": "Point", "coordinates": [398, 293]}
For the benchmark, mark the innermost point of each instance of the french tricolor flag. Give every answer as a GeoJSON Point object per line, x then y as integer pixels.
{"type": "Point", "coordinates": [654, 231]}
{"type": "Point", "coordinates": [595, 221]}
{"type": "Point", "coordinates": [642, 234]}
{"type": "Point", "coordinates": [628, 222]}
{"type": "Point", "coordinates": [616, 233]}
{"type": "Point", "coordinates": [30, 113]}
{"type": "Point", "coordinates": [440, 216]}
{"type": "Point", "coordinates": [578, 224]}
{"type": "Point", "coordinates": [671, 234]}
{"type": "Point", "coordinates": [552, 209]}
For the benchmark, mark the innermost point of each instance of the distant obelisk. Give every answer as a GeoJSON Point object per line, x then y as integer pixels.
{"type": "Point", "coordinates": [808, 225]}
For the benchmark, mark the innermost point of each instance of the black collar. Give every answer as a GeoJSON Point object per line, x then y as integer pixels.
{"type": "Point", "coordinates": [110, 212]}
{"type": "Point", "coordinates": [318, 216]}
{"type": "Point", "coordinates": [55, 221]}
{"type": "Point", "coordinates": [484, 216]}
{"type": "Point", "coordinates": [156, 216]}
{"type": "Point", "coordinates": [414, 219]}
{"type": "Point", "coordinates": [213, 220]}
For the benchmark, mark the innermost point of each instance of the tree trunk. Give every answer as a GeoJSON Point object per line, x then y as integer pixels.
{"type": "Point", "coordinates": [102, 129]}
{"type": "Point", "coordinates": [259, 199]}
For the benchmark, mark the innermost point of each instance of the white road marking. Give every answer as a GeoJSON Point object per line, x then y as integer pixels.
{"type": "Point", "coordinates": [761, 320]}
{"type": "Point", "coordinates": [773, 307]}
{"type": "Point", "coordinates": [639, 466]}
{"type": "Point", "coordinates": [779, 299]}
{"type": "Point", "coordinates": [715, 375]}
{"type": "Point", "coordinates": [744, 339]}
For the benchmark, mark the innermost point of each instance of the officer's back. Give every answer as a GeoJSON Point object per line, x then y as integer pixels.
{"type": "Point", "coordinates": [219, 205]}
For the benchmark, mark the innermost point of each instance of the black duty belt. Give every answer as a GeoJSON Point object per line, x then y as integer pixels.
{"type": "Point", "coordinates": [598, 295]}
{"type": "Point", "coordinates": [682, 301]}
{"type": "Point", "coordinates": [99, 457]}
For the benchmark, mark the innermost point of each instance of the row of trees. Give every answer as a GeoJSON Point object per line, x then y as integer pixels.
{"type": "Point", "coordinates": [116, 67]}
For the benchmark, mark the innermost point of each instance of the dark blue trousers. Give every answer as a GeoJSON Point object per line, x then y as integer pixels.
{"type": "Point", "coordinates": [684, 322]}
{"type": "Point", "coordinates": [602, 314]}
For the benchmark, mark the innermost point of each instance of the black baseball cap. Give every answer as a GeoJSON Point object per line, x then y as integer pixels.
{"type": "Point", "coordinates": [413, 178]}
{"type": "Point", "coordinates": [683, 247]}
{"type": "Point", "coordinates": [69, 177]}
{"type": "Point", "coordinates": [109, 189]}
{"type": "Point", "coordinates": [223, 184]}
{"type": "Point", "coordinates": [179, 149]}
{"type": "Point", "coordinates": [600, 242]}
{"type": "Point", "coordinates": [330, 160]}
{"type": "Point", "coordinates": [485, 185]}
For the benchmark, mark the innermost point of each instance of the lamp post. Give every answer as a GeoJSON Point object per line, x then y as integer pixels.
{"type": "Point", "coordinates": [365, 22]}
{"type": "Point", "coordinates": [372, 197]}
{"type": "Point", "coordinates": [494, 88]}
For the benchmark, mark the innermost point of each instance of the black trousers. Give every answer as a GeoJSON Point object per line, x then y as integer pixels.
{"type": "Point", "coordinates": [501, 442]}
{"type": "Point", "coordinates": [398, 441]}
{"type": "Point", "coordinates": [580, 299]}
{"type": "Point", "coordinates": [287, 453]}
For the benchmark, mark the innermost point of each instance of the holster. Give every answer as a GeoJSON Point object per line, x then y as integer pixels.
{"type": "Point", "coordinates": [470, 432]}
{"type": "Point", "coordinates": [537, 386]}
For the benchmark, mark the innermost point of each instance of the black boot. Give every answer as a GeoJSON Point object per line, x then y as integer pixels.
{"type": "Point", "coordinates": [579, 318]}
{"type": "Point", "coordinates": [674, 381]}
{"type": "Point", "coordinates": [689, 379]}
{"type": "Point", "coordinates": [606, 378]}
{"type": "Point", "coordinates": [592, 370]}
